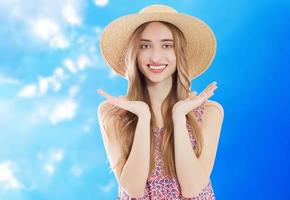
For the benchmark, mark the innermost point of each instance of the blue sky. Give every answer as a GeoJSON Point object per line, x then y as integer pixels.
{"type": "Point", "coordinates": [50, 69]}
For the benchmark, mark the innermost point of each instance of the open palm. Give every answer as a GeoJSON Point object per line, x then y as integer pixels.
{"type": "Point", "coordinates": [183, 107]}
{"type": "Point", "coordinates": [137, 107]}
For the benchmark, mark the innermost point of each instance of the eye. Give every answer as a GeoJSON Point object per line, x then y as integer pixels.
{"type": "Point", "coordinates": [168, 45]}
{"type": "Point", "coordinates": [144, 46]}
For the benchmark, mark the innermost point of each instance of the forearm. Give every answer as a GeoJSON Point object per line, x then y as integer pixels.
{"type": "Point", "coordinates": [190, 174]}
{"type": "Point", "coordinates": [135, 171]}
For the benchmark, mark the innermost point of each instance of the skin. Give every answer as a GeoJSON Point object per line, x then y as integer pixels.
{"type": "Point", "coordinates": [157, 51]}
{"type": "Point", "coordinates": [192, 172]}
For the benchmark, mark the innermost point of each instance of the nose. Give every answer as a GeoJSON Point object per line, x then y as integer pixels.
{"type": "Point", "coordinates": [155, 55]}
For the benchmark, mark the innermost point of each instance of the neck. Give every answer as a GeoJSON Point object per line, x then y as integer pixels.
{"type": "Point", "coordinates": [158, 92]}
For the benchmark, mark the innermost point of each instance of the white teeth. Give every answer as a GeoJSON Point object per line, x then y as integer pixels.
{"type": "Point", "coordinates": [157, 67]}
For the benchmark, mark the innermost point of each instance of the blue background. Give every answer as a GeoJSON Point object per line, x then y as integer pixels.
{"type": "Point", "coordinates": [50, 142]}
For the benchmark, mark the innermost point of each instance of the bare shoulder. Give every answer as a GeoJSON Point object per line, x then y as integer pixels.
{"type": "Point", "coordinates": [109, 136]}
{"type": "Point", "coordinates": [103, 109]}
{"type": "Point", "coordinates": [214, 106]}
{"type": "Point", "coordinates": [104, 106]}
{"type": "Point", "coordinates": [105, 121]}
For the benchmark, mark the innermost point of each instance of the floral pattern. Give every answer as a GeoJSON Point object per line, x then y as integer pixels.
{"type": "Point", "coordinates": [159, 185]}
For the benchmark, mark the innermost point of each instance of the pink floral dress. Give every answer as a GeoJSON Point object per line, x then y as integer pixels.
{"type": "Point", "coordinates": [161, 187]}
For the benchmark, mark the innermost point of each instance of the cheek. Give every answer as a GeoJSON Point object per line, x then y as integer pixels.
{"type": "Point", "coordinates": [172, 57]}
{"type": "Point", "coordinates": [141, 58]}
{"type": "Point", "coordinates": [141, 62]}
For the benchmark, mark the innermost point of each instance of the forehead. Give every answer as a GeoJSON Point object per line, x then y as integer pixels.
{"type": "Point", "coordinates": [156, 31]}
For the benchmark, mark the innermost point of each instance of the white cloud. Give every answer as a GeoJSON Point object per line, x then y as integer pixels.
{"type": "Point", "coordinates": [45, 19]}
{"type": "Point", "coordinates": [76, 171]}
{"type": "Point", "coordinates": [49, 168]}
{"type": "Point", "coordinates": [44, 83]}
{"type": "Point", "coordinates": [54, 80]}
{"type": "Point", "coordinates": [59, 42]}
{"type": "Point", "coordinates": [98, 30]}
{"type": "Point", "coordinates": [45, 28]}
{"type": "Point", "coordinates": [86, 128]}
{"type": "Point", "coordinates": [12, 9]}
{"type": "Point", "coordinates": [51, 160]}
{"type": "Point", "coordinates": [7, 80]}
{"type": "Point", "coordinates": [74, 90]}
{"type": "Point", "coordinates": [69, 13]}
{"type": "Point", "coordinates": [101, 3]}
{"type": "Point", "coordinates": [59, 73]}
{"type": "Point", "coordinates": [57, 111]}
{"type": "Point", "coordinates": [7, 176]}
{"type": "Point", "coordinates": [28, 91]}
{"type": "Point", "coordinates": [56, 85]}
{"type": "Point", "coordinates": [63, 111]}
{"type": "Point", "coordinates": [56, 156]}
{"type": "Point", "coordinates": [70, 65]}
{"type": "Point", "coordinates": [83, 62]}
{"type": "Point", "coordinates": [48, 30]}
{"type": "Point", "coordinates": [108, 187]}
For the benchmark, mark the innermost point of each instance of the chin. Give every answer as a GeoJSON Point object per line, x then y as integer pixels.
{"type": "Point", "coordinates": [158, 79]}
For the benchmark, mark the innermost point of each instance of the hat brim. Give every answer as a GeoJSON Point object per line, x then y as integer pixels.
{"type": "Point", "coordinates": [201, 39]}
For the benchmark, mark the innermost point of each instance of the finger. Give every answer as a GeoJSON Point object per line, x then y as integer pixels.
{"type": "Point", "coordinates": [105, 94]}
{"type": "Point", "coordinates": [208, 92]}
{"type": "Point", "coordinates": [211, 87]}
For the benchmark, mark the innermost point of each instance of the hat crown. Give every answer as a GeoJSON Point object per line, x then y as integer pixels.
{"type": "Point", "coordinates": [158, 8]}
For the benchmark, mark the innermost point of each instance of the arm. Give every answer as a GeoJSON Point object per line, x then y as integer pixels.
{"type": "Point", "coordinates": [132, 176]}
{"type": "Point", "coordinates": [135, 171]}
{"type": "Point", "coordinates": [193, 173]}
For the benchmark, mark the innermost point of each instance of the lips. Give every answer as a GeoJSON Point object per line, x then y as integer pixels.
{"type": "Point", "coordinates": [157, 69]}
{"type": "Point", "coordinates": [157, 66]}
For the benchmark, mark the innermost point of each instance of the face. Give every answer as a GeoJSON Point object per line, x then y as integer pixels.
{"type": "Point", "coordinates": [156, 56]}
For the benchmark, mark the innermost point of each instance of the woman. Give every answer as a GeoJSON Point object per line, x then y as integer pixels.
{"type": "Point", "coordinates": [161, 139]}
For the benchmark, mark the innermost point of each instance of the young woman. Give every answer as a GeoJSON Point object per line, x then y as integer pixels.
{"type": "Point", "coordinates": [161, 139]}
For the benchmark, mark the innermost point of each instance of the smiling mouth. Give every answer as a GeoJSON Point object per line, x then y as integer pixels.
{"type": "Point", "coordinates": [157, 67]}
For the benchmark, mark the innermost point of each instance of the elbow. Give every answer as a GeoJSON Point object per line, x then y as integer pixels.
{"type": "Point", "coordinates": [136, 194]}
{"type": "Point", "coordinates": [190, 193]}
{"type": "Point", "coordinates": [193, 189]}
{"type": "Point", "coordinates": [133, 190]}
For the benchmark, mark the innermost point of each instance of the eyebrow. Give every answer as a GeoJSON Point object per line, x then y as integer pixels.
{"type": "Point", "coordinates": [163, 40]}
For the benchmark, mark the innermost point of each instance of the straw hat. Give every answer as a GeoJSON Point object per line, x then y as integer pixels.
{"type": "Point", "coordinates": [201, 40]}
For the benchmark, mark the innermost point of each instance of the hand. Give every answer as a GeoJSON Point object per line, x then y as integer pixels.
{"type": "Point", "coordinates": [139, 108]}
{"type": "Point", "coordinates": [193, 101]}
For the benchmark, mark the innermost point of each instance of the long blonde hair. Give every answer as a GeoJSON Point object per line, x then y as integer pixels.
{"type": "Point", "coordinates": [126, 121]}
